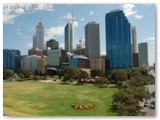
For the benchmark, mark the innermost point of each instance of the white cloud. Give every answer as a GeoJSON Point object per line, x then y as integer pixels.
{"type": "Point", "coordinates": [10, 13]}
{"type": "Point", "coordinates": [138, 16]}
{"type": "Point", "coordinates": [82, 19]}
{"type": "Point", "coordinates": [68, 16]}
{"type": "Point", "coordinates": [54, 32]}
{"type": "Point", "coordinates": [91, 12]}
{"type": "Point", "coordinates": [19, 32]}
{"type": "Point", "coordinates": [61, 45]}
{"type": "Point", "coordinates": [29, 45]}
{"type": "Point", "coordinates": [46, 7]}
{"type": "Point", "coordinates": [75, 24]}
{"type": "Point", "coordinates": [150, 39]}
{"type": "Point", "coordinates": [129, 10]}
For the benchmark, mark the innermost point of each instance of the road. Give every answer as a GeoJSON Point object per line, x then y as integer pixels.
{"type": "Point", "coordinates": [150, 111]}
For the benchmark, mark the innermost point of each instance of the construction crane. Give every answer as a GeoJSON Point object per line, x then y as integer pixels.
{"type": "Point", "coordinates": [81, 43]}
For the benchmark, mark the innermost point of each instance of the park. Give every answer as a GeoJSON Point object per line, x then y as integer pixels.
{"type": "Point", "coordinates": [34, 98]}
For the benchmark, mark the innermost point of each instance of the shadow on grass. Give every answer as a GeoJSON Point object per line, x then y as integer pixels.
{"type": "Point", "coordinates": [113, 109]}
{"type": "Point", "coordinates": [65, 83]}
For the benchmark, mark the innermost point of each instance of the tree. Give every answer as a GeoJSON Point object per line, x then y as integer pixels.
{"type": "Point", "coordinates": [38, 72]}
{"type": "Point", "coordinates": [95, 73]}
{"type": "Point", "coordinates": [7, 73]}
{"type": "Point", "coordinates": [71, 74]}
{"type": "Point", "coordinates": [82, 74]}
{"type": "Point", "coordinates": [26, 73]}
{"type": "Point", "coordinates": [119, 75]}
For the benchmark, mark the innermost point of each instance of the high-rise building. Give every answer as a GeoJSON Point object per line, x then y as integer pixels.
{"type": "Point", "coordinates": [135, 61]}
{"type": "Point", "coordinates": [38, 39]}
{"type": "Point", "coordinates": [69, 35]}
{"type": "Point", "coordinates": [92, 40]}
{"type": "Point", "coordinates": [56, 57]}
{"type": "Point", "coordinates": [34, 42]}
{"type": "Point", "coordinates": [134, 40]}
{"type": "Point", "coordinates": [98, 64]}
{"type": "Point", "coordinates": [118, 40]}
{"type": "Point", "coordinates": [11, 59]}
{"type": "Point", "coordinates": [53, 44]}
{"type": "Point", "coordinates": [143, 53]}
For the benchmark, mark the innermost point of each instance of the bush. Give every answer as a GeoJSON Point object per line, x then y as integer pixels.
{"type": "Point", "coordinates": [7, 73]}
{"type": "Point", "coordinates": [55, 77]}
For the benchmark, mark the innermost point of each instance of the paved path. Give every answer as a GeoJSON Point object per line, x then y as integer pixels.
{"type": "Point", "coordinates": [150, 111]}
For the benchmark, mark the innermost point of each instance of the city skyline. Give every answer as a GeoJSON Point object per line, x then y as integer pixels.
{"type": "Point", "coordinates": [56, 17]}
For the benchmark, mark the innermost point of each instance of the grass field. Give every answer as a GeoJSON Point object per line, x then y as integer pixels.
{"type": "Point", "coordinates": [55, 99]}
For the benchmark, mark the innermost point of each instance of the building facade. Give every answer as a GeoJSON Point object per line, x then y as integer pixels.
{"type": "Point", "coordinates": [135, 58]}
{"type": "Point", "coordinates": [53, 44]}
{"type": "Point", "coordinates": [134, 40]}
{"type": "Point", "coordinates": [118, 40]}
{"type": "Point", "coordinates": [36, 51]}
{"type": "Point", "coordinates": [92, 40]}
{"type": "Point", "coordinates": [42, 64]}
{"type": "Point", "coordinates": [143, 53]}
{"type": "Point", "coordinates": [98, 64]}
{"type": "Point", "coordinates": [80, 61]}
{"type": "Point", "coordinates": [56, 57]}
{"type": "Point", "coordinates": [69, 35]}
{"type": "Point", "coordinates": [38, 39]}
{"type": "Point", "coordinates": [11, 59]}
{"type": "Point", "coordinates": [30, 63]}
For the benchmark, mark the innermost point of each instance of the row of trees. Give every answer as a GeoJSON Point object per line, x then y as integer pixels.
{"type": "Point", "coordinates": [131, 84]}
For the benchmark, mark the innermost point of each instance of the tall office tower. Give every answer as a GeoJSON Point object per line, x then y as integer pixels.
{"type": "Point", "coordinates": [135, 60]}
{"type": "Point", "coordinates": [134, 40]}
{"type": "Point", "coordinates": [92, 40]}
{"type": "Point", "coordinates": [53, 44]}
{"type": "Point", "coordinates": [11, 59]}
{"type": "Point", "coordinates": [40, 36]}
{"type": "Point", "coordinates": [118, 40]}
{"type": "Point", "coordinates": [143, 53]}
{"type": "Point", "coordinates": [34, 42]}
{"type": "Point", "coordinates": [69, 35]}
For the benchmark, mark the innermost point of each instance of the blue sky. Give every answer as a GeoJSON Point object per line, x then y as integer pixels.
{"type": "Point", "coordinates": [19, 24]}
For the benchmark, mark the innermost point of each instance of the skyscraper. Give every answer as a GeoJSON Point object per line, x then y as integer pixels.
{"type": "Point", "coordinates": [92, 40]}
{"type": "Point", "coordinates": [11, 59]}
{"type": "Point", "coordinates": [69, 35]}
{"type": "Point", "coordinates": [34, 42]}
{"type": "Point", "coordinates": [134, 40]}
{"type": "Point", "coordinates": [38, 39]}
{"type": "Point", "coordinates": [40, 35]}
{"type": "Point", "coordinates": [118, 40]}
{"type": "Point", "coordinates": [143, 53]}
{"type": "Point", "coordinates": [135, 60]}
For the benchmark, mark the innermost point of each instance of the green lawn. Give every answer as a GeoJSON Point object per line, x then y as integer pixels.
{"type": "Point", "coordinates": [55, 99]}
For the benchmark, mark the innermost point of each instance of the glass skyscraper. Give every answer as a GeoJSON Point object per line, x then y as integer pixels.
{"type": "Point", "coordinates": [118, 40]}
{"type": "Point", "coordinates": [69, 35]}
{"type": "Point", "coordinates": [11, 59]}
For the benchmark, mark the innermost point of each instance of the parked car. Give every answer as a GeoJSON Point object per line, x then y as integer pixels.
{"type": "Point", "coordinates": [149, 105]}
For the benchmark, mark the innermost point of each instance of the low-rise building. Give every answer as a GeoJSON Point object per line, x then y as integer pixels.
{"type": "Point", "coordinates": [56, 57]}
{"type": "Point", "coordinates": [29, 63]}
{"type": "Point", "coordinates": [36, 51]}
{"type": "Point", "coordinates": [80, 61]}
